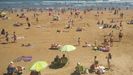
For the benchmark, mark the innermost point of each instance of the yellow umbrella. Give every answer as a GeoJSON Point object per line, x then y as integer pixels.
{"type": "Point", "coordinates": [39, 66]}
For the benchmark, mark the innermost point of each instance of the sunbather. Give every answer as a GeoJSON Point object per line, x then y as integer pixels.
{"type": "Point", "coordinates": [64, 60]}
{"type": "Point", "coordinates": [79, 69]}
{"type": "Point", "coordinates": [56, 63]}
{"type": "Point", "coordinates": [10, 68]}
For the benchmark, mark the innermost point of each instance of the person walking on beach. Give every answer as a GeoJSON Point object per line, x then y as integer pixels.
{"type": "Point", "coordinates": [109, 57]}
{"type": "Point", "coordinates": [120, 35]}
{"type": "Point", "coordinates": [14, 37]}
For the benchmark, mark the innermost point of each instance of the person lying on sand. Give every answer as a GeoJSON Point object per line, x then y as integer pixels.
{"type": "Point", "coordinates": [26, 45]}
{"type": "Point", "coordinates": [86, 45]}
{"type": "Point", "coordinates": [17, 24]}
{"type": "Point", "coordinates": [55, 45]}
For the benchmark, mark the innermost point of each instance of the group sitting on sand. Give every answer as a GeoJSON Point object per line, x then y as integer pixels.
{"type": "Point", "coordinates": [106, 44]}
{"type": "Point", "coordinates": [55, 46]}
{"type": "Point", "coordinates": [59, 62]}
{"type": "Point", "coordinates": [12, 69]}
{"type": "Point", "coordinates": [6, 36]}
{"type": "Point", "coordinates": [94, 68]}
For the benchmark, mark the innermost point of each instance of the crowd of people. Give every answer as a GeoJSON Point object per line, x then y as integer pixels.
{"type": "Point", "coordinates": [58, 62]}
{"type": "Point", "coordinates": [8, 38]}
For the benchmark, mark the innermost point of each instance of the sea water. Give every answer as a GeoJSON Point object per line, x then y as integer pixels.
{"type": "Point", "coordinates": [63, 3]}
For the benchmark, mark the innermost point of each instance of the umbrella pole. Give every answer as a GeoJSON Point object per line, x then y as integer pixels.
{"type": "Point", "coordinates": [68, 57]}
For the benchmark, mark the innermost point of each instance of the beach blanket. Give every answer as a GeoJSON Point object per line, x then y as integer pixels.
{"type": "Point", "coordinates": [21, 37]}
{"type": "Point", "coordinates": [23, 58]}
{"type": "Point", "coordinates": [26, 58]}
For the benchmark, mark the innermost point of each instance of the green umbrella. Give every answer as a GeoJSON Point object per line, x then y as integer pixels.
{"type": "Point", "coordinates": [67, 48]}
{"type": "Point", "coordinates": [39, 66]}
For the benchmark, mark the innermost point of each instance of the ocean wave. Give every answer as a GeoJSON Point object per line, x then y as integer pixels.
{"type": "Point", "coordinates": [11, 2]}
{"type": "Point", "coordinates": [61, 4]}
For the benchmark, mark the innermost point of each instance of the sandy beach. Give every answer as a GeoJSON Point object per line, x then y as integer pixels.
{"type": "Point", "coordinates": [42, 34]}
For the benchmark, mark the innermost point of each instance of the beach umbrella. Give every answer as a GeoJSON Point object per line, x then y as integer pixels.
{"type": "Point", "coordinates": [67, 48]}
{"type": "Point", "coordinates": [3, 13]}
{"type": "Point", "coordinates": [39, 66]}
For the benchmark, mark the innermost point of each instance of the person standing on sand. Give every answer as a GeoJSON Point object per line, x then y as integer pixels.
{"type": "Point", "coordinates": [95, 43]}
{"type": "Point", "coordinates": [6, 37]}
{"type": "Point", "coordinates": [95, 59]}
{"type": "Point", "coordinates": [37, 20]}
{"type": "Point", "coordinates": [27, 19]}
{"type": "Point", "coordinates": [120, 35]}
{"type": "Point", "coordinates": [29, 25]}
{"type": "Point", "coordinates": [105, 40]}
{"type": "Point", "coordinates": [109, 57]}
{"type": "Point", "coordinates": [14, 37]}
{"type": "Point", "coordinates": [111, 41]}
{"type": "Point", "coordinates": [102, 22]}
{"type": "Point", "coordinates": [78, 40]}
{"type": "Point", "coordinates": [3, 32]}
{"type": "Point", "coordinates": [121, 25]}
{"type": "Point", "coordinates": [121, 15]}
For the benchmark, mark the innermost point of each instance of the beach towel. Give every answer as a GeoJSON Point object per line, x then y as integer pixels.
{"type": "Point", "coordinates": [26, 58]}
{"type": "Point", "coordinates": [21, 37]}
